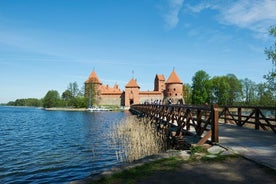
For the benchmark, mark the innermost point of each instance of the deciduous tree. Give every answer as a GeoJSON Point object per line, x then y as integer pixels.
{"type": "Point", "coordinates": [200, 88]}
{"type": "Point", "coordinates": [51, 99]}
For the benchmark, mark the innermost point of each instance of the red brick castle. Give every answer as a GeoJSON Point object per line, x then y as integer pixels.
{"type": "Point", "coordinates": [170, 91]}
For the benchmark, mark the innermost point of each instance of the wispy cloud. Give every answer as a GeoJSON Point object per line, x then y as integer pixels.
{"type": "Point", "coordinates": [172, 16]}
{"type": "Point", "coordinates": [254, 15]}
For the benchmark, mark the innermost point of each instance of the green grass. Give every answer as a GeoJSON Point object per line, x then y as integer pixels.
{"type": "Point", "coordinates": [132, 175]}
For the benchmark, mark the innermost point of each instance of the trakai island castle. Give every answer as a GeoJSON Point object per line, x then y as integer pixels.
{"type": "Point", "coordinates": [165, 91]}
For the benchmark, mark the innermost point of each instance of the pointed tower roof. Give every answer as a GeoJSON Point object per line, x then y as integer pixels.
{"type": "Point", "coordinates": [93, 78]}
{"type": "Point", "coordinates": [173, 78]}
{"type": "Point", "coordinates": [132, 84]}
{"type": "Point", "coordinates": [160, 77]}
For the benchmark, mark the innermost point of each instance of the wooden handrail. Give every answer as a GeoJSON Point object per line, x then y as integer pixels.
{"type": "Point", "coordinates": [204, 119]}
{"type": "Point", "coordinates": [251, 117]}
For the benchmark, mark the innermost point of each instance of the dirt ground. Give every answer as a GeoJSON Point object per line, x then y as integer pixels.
{"type": "Point", "coordinates": [235, 170]}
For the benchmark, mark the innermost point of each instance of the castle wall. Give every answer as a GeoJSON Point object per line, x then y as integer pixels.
{"type": "Point", "coordinates": [110, 99]}
{"type": "Point", "coordinates": [150, 96]}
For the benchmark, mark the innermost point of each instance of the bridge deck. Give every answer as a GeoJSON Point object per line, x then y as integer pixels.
{"type": "Point", "coordinates": [259, 146]}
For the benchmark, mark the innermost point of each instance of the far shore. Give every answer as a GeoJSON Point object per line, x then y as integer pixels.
{"type": "Point", "coordinates": [78, 109]}
{"type": "Point", "coordinates": [65, 109]}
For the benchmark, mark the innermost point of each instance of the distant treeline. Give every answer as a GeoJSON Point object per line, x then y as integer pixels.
{"type": "Point", "coordinates": [71, 97]}
{"type": "Point", "coordinates": [26, 102]}
{"type": "Point", "coordinates": [228, 90]}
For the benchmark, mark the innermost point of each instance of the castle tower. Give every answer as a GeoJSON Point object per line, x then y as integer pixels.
{"type": "Point", "coordinates": [132, 93]}
{"type": "Point", "coordinates": [174, 89]}
{"type": "Point", "coordinates": [92, 88]}
{"type": "Point", "coordinates": [159, 83]}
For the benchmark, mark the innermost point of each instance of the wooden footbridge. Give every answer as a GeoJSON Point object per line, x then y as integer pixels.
{"type": "Point", "coordinates": [246, 130]}
{"type": "Point", "coordinates": [204, 120]}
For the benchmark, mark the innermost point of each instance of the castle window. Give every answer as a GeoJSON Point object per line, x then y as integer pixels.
{"type": "Point", "coordinates": [175, 94]}
{"type": "Point", "coordinates": [174, 89]}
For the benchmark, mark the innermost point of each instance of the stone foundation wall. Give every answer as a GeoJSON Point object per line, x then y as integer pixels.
{"type": "Point", "coordinates": [110, 100]}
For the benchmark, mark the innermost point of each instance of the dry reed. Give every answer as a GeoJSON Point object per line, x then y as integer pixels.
{"type": "Point", "coordinates": [136, 138]}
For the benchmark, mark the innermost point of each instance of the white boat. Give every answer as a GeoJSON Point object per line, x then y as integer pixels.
{"type": "Point", "coordinates": [95, 109]}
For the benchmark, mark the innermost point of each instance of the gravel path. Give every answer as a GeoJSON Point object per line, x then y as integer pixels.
{"type": "Point", "coordinates": [234, 170]}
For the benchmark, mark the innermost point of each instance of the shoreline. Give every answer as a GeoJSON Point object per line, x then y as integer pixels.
{"type": "Point", "coordinates": [64, 109]}
{"type": "Point", "coordinates": [77, 109]}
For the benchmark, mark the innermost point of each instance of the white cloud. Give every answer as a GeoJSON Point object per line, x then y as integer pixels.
{"type": "Point", "coordinates": [172, 16]}
{"type": "Point", "coordinates": [256, 16]}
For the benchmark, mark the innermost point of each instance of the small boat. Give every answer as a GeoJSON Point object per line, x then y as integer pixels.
{"type": "Point", "coordinates": [95, 109]}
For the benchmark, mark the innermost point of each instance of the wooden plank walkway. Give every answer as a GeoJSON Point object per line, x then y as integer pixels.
{"type": "Point", "coordinates": [256, 145]}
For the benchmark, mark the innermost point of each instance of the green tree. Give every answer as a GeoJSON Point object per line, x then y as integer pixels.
{"type": "Point", "coordinates": [66, 97]}
{"type": "Point", "coordinates": [226, 90]}
{"type": "Point", "coordinates": [249, 89]}
{"type": "Point", "coordinates": [271, 55]}
{"type": "Point", "coordinates": [219, 90]}
{"type": "Point", "coordinates": [265, 95]}
{"type": "Point", "coordinates": [51, 99]}
{"type": "Point", "coordinates": [81, 102]}
{"type": "Point", "coordinates": [200, 88]}
{"type": "Point", "coordinates": [187, 93]}
{"type": "Point", "coordinates": [90, 93]}
{"type": "Point", "coordinates": [235, 91]}
{"type": "Point", "coordinates": [74, 89]}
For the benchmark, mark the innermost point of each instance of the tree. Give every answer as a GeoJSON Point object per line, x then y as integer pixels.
{"type": "Point", "coordinates": [91, 93]}
{"type": "Point", "coordinates": [219, 90]}
{"type": "Point", "coordinates": [249, 89]}
{"type": "Point", "coordinates": [226, 90]}
{"type": "Point", "coordinates": [235, 91]}
{"type": "Point", "coordinates": [271, 51]}
{"type": "Point", "coordinates": [271, 55]}
{"type": "Point", "coordinates": [51, 99]}
{"type": "Point", "coordinates": [73, 88]}
{"type": "Point", "coordinates": [187, 93]}
{"type": "Point", "coordinates": [265, 96]}
{"type": "Point", "coordinates": [200, 88]}
{"type": "Point", "coordinates": [67, 96]}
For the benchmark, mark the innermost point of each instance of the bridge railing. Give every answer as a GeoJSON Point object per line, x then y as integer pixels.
{"type": "Point", "coordinates": [259, 118]}
{"type": "Point", "coordinates": [203, 120]}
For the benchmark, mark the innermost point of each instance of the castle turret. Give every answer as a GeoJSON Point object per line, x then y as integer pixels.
{"type": "Point", "coordinates": [174, 89]}
{"type": "Point", "coordinates": [92, 88]}
{"type": "Point", "coordinates": [132, 93]}
{"type": "Point", "coordinates": [159, 83]}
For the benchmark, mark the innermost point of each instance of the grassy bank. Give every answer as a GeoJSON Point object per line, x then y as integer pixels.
{"type": "Point", "coordinates": [165, 165]}
{"type": "Point", "coordinates": [139, 172]}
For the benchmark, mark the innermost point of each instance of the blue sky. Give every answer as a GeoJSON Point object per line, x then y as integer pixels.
{"type": "Point", "coordinates": [46, 44]}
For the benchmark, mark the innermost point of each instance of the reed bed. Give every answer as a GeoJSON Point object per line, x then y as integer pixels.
{"type": "Point", "coordinates": [135, 138]}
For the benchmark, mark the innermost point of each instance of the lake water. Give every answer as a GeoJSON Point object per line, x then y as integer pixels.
{"type": "Point", "coordinates": [38, 146]}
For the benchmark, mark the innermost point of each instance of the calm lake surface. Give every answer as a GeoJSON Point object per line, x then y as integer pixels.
{"type": "Point", "coordinates": [38, 146]}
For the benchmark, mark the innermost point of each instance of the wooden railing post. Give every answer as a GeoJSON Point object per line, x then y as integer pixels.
{"type": "Point", "coordinates": [214, 126]}
{"type": "Point", "coordinates": [257, 118]}
{"type": "Point", "coordinates": [239, 116]}
{"type": "Point", "coordinates": [225, 114]}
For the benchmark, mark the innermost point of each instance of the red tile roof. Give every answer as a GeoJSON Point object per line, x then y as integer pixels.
{"type": "Point", "coordinates": [173, 78]}
{"type": "Point", "coordinates": [93, 78]}
{"type": "Point", "coordinates": [132, 83]}
{"type": "Point", "coordinates": [160, 77]}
